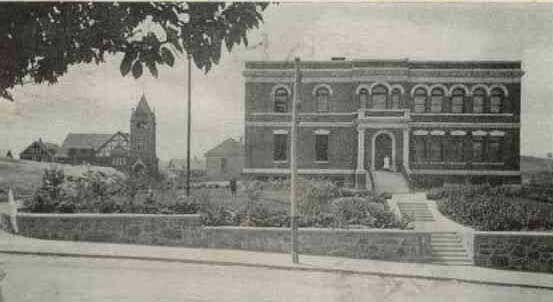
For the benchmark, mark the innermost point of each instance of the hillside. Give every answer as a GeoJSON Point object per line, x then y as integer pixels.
{"type": "Point", "coordinates": [24, 176]}
{"type": "Point", "coordinates": [532, 164]}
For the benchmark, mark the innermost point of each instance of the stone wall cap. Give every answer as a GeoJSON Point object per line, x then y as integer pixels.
{"type": "Point", "coordinates": [511, 233]}
{"type": "Point", "coordinates": [374, 231]}
{"type": "Point", "coordinates": [106, 215]}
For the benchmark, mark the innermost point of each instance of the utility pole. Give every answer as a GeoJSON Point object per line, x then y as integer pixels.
{"type": "Point", "coordinates": [293, 164]}
{"type": "Point", "coordinates": [189, 122]}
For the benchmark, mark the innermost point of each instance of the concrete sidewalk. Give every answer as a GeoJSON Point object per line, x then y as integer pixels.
{"type": "Point", "coordinates": [12, 244]}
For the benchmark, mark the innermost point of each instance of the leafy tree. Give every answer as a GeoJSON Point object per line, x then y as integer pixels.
{"type": "Point", "coordinates": [40, 40]}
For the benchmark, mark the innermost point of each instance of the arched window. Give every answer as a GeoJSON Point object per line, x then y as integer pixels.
{"type": "Point", "coordinates": [281, 100]}
{"type": "Point", "coordinates": [436, 100]}
{"type": "Point", "coordinates": [457, 100]}
{"type": "Point", "coordinates": [363, 98]}
{"type": "Point", "coordinates": [420, 100]}
{"type": "Point", "coordinates": [496, 100]}
{"type": "Point", "coordinates": [380, 96]}
{"type": "Point", "coordinates": [322, 94]}
{"type": "Point", "coordinates": [396, 96]}
{"type": "Point", "coordinates": [478, 98]}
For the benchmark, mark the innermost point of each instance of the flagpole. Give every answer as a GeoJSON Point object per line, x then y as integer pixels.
{"type": "Point", "coordinates": [293, 166]}
{"type": "Point", "coordinates": [189, 125]}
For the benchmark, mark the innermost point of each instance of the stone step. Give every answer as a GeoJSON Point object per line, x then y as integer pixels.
{"type": "Point", "coordinates": [467, 263]}
{"type": "Point", "coordinates": [449, 254]}
{"type": "Point", "coordinates": [445, 239]}
{"type": "Point", "coordinates": [448, 248]}
{"type": "Point", "coordinates": [451, 259]}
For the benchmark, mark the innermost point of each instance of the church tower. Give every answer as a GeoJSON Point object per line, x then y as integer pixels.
{"type": "Point", "coordinates": [143, 140]}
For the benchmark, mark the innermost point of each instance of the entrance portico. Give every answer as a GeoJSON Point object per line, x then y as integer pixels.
{"type": "Point", "coordinates": [382, 144]}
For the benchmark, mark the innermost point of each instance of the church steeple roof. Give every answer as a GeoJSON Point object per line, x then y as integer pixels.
{"type": "Point", "coordinates": [143, 107]}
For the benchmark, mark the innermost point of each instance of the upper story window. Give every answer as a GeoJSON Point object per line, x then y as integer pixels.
{"type": "Point", "coordinates": [436, 100]}
{"type": "Point", "coordinates": [363, 98]}
{"type": "Point", "coordinates": [457, 100]}
{"type": "Point", "coordinates": [496, 100]}
{"type": "Point", "coordinates": [478, 99]}
{"type": "Point", "coordinates": [380, 95]}
{"type": "Point", "coordinates": [396, 98]}
{"type": "Point", "coordinates": [420, 100]}
{"type": "Point", "coordinates": [322, 95]}
{"type": "Point", "coordinates": [281, 100]}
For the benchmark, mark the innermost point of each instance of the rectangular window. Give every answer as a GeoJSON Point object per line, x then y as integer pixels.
{"type": "Point", "coordinates": [494, 150]}
{"type": "Point", "coordinates": [436, 150]}
{"type": "Point", "coordinates": [280, 147]}
{"type": "Point", "coordinates": [420, 149]}
{"type": "Point", "coordinates": [477, 150]}
{"type": "Point", "coordinates": [457, 150]}
{"type": "Point", "coordinates": [321, 147]}
{"type": "Point", "coordinates": [223, 164]}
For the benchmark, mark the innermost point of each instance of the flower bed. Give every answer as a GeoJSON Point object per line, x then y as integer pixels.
{"type": "Point", "coordinates": [320, 203]}
{"type": "Point", "coordinates": [486, 208]}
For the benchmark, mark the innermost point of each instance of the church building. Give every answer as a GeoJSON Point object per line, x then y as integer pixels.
{"type": "Point", "coordinates": [133, 153]}
{"type": "Point", "coordinates": [142, 153]}
{"type": "Point", "coordinates": [428, 122]}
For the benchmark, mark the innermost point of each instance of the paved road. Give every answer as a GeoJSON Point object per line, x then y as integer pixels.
{"type": "Point", "coordinates": [37, 278]}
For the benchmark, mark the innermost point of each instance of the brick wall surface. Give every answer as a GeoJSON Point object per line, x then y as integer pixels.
{"type": "Point", "coordinates": [185, 230]}
{"type": "Point", "coordinates": [514, 250]}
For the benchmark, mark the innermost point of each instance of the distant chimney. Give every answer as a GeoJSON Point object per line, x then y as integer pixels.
{"type": "Point", "coordinates": [338, 58]}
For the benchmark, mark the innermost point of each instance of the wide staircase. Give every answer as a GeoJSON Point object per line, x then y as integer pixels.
{"type": "Point", "coordinates": [448, 249]}
{"type": "Point", "coordinates": [446, 241]}
{"type": "Point", "coordinates": [390, 182]}
{"type": "Point", "coordinates": [418, 211]}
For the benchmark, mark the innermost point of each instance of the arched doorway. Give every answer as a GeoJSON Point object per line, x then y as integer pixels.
{"type": "Point", "coordinates": [384, 145]}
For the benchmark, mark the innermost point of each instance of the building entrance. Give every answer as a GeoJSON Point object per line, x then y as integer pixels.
{"type": "Point", "coordinates": [383, 157]}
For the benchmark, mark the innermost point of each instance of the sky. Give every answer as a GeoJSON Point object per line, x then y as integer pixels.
{"type": "Point", "coordinates": [96, 98]}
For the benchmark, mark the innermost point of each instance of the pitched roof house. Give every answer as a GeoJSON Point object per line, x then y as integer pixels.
{"type": "Point", "coordinates": [40, 151]}
{"type": "Point", "coordinates": [96, 148]}
{"type": "Point", "coordinates": [225, 160]}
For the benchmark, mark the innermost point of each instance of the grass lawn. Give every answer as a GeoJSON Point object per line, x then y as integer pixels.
{"type": "Point", "coordinates": [275, 200]}
{"type": "Point", "coordinates": [25, 176]}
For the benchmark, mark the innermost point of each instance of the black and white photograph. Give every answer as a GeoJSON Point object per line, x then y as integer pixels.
{"type": "Point", "coordinates": [276, 151]}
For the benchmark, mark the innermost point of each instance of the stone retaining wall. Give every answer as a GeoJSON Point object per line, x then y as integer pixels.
{"type": "Point", "coordinates": [186, 231]}
{"type": "Point", "coordinates": [529, 251]}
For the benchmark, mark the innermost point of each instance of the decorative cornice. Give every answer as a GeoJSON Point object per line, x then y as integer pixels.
{"type": "Point", "coordinates": [300, 124]}
{"type": "Point", "coordinates": [464, 125]}
{"type": "Point", "coordinates": [465, 172]}
{"type": "Point", "coordinates": [465, 80]}
{"type": "Point", "coordinates": [300, 171]}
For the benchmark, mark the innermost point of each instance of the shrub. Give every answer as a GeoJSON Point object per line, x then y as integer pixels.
{"type": "Point", "coordinates": [487, 208]}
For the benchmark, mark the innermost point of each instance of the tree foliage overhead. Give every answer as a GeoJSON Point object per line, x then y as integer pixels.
{"type": "Point", "coordinates": [40, 40]}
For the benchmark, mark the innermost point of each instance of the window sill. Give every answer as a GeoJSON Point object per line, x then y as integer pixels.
{"type": "Point", "coordinates": [460, 114]}
{"type": "Point", "coordinates": [488, 163]}
{"type": "Point", "coordinates": [321, 161]}
{"type": "Point", "coordinates": [280, 161]}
